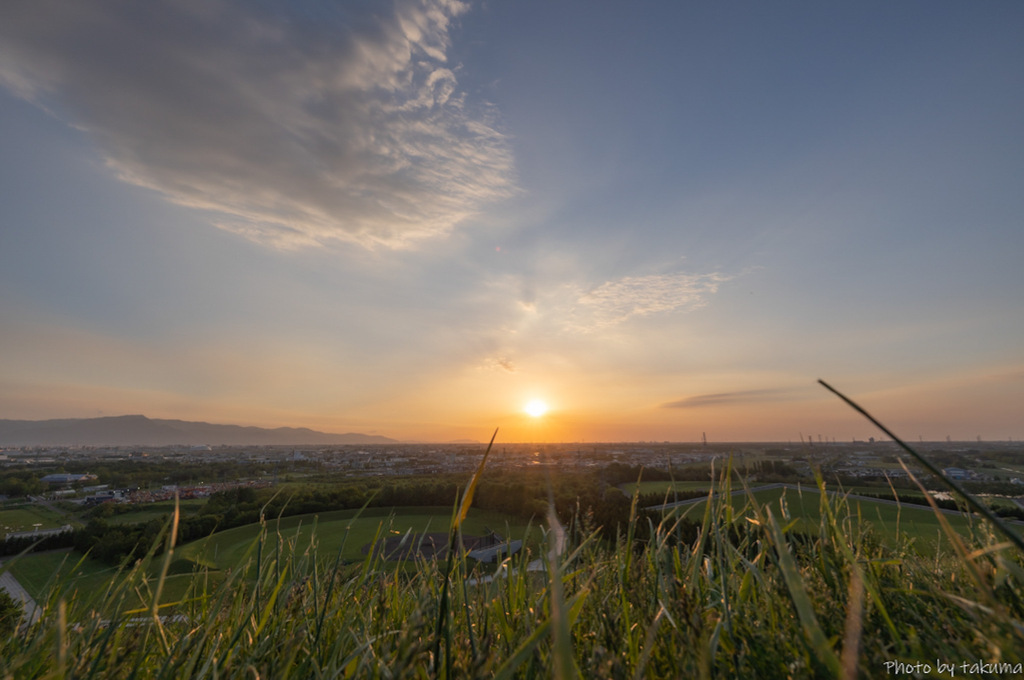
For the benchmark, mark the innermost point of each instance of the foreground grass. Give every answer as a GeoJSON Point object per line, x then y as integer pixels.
{"type": "Point", "coordinates": [902, 527]}
{"type": "Point", "coordinates": [38, 572]}
{"type": "Point", "coordinates": [329, 535]}
{"type": "Point", "coordinates": [746, 591]}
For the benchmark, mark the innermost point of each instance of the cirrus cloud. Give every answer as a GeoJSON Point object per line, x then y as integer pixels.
{"type": "Point", "coordinates": [616, 301]}
{"type": "Point", "coordinates": [300, 128]}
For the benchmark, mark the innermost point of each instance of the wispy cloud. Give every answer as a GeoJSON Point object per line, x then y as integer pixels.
{"type": "Point", "coordinates": [1013, 374]}
{"type": "Point", "coordinates": [614, 302]}
{"type": "Point", "coordinates": [340, 123]}
{"type": "Point", "coordinates": [733, 398]}
{"type": "Point", "coordinates": [501, 363]}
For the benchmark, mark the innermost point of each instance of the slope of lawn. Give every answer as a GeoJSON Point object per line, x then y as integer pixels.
{"type": "Point", "coordinates": [347, 531]}
{"type": "Point", "coordinates": [893, 523]}
{"type": "Point", "coordinates": [83, 579]}
{"type": "Point", "coordinates": [25, 517]}
{"type": "Point", "coordinates": [743, 596]}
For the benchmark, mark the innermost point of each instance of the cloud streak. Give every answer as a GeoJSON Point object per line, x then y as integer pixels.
{"type": "Point", "coordinates": [499, 363]}
{"type": "Point", "coordinates": [328, 124]}
{"type": "Point", "coordinates": [616, 301]}
{"type": "Point", "coordinates": [732, 398]}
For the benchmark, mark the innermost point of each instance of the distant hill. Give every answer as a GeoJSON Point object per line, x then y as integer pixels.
{"type": "Point", "coordinates": [143, 431]}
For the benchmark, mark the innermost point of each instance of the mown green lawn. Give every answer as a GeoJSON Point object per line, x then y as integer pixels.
{"type": "Point", "coordinates": [663, 487]}
{"type": "Point", "coordinates": [883, 490]}
{"type": "Point", "coordinates": [889, 521]}
{"type": "Point", "coordinates": [160, 511]}
{"type": "Point", "coordinates": [998, 501]}
{"type": "Point", "coordinates": [668, 487]}
{"type": "Point", "coordinates": [84, 581]}
{"type": "Point", "coordinates": [342, 530]}
{"type": "Point", "coordinates": [82, 578]}
{"type": "Point", "coordinates": [327, 533]}
{"type": "Point", "coordinates": [24, 517]}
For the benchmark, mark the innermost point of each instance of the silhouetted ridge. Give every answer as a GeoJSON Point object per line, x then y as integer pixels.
{"type": "Point", "coordinates": [132, 430]}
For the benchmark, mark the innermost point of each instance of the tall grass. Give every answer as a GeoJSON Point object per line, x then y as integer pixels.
{"type": "Point", "coordinates": [734, 592]}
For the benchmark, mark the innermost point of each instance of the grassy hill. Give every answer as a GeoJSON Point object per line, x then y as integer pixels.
{"type": "Point", "coordinates": [766, 586]}
{"type": "Point", "coordinates": [329, 535]}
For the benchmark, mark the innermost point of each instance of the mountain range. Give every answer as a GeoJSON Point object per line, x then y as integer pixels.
{"type": "Point", "coordinates": [138, 430]}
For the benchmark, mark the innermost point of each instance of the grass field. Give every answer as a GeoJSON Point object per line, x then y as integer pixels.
{"type": "Point", "coordinates": [38, 572]}
{"type": "Point", "coordinates": [346, 531]}
{"type": "Point", "coordinates": [742, 597]}
{"type": "Point", "coordinates": [883, 491]}
{"type": "Point", "coordinates": [906, 524]}
{"type": "Point", "coordinates": [663, 487]}
{"type": "Point", "coordinates": [668, 487]}
{"type": "Point", "coordinates": [993, 501]}
{"type": "Point", "coordinates": [82, 582]}
{"type": "Point", "coordinates": [23, 518]}
{"type": "Point", "coordinates": [160, 511]}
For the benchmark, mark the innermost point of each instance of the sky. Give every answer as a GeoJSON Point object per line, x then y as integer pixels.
{"type": "Point", "coordinates": [413, 217]}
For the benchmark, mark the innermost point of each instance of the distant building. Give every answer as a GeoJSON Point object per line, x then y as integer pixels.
{"type": "Point", "coordinates": [957, 473]}
{"type": "Point", "coordinates": [108, 496]}
{"type": "Point", "coordinates": [66, 479]}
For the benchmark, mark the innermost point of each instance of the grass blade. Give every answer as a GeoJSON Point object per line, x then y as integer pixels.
{"type": "Point", "coordinates": [975, 504]}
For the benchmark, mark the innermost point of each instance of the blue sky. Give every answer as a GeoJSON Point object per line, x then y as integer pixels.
{"type": "Point", "coordinates": [410, 218]}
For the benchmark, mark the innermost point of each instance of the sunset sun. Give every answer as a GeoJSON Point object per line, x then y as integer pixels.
{"type": "Point", "coordinates": [536, 408]}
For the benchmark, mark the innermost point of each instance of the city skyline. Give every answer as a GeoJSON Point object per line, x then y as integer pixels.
{"type": "Point", "coordinates": [418, 219]}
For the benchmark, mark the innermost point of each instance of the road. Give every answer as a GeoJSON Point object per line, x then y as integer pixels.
{"type": "Point", "coordinates": [19, 594]}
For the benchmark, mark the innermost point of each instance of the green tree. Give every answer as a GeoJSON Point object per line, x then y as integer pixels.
{"type": "Point", "coordinates": [17, 486]}
{"type": "Point", "coordinates": [10, 613]}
